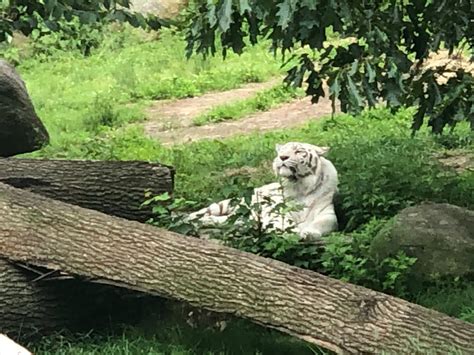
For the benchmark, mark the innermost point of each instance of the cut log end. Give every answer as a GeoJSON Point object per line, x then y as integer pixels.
{"type": "Point", "coordinates": [9, 347]}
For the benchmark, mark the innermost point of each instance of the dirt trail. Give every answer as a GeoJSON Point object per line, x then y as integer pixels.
{"type": "Point", "coordinates": [288, 115]}
{"type": "Point", "coordinates": [171, 114]}
{"type": "Point", "coordinates": [171, 122]}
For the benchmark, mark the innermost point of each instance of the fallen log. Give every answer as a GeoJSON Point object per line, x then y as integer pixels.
{"type": "Point", "coordinates": [35, 302]}
{"type": "Point", "coordinates": [25, 308]}
{"type": "Point", "coordinates": [112, 187]}
{"type": "Point", "coordinates": [335, 315]}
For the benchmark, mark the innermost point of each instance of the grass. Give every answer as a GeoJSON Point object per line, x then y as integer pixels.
{"type": "Point", "coordinates": [262, 101]}
{"type": "Point", "coordinates": [72, 93]}
{"type": "Point", "coordinates": [177, 338]}
{"type": "Point", "coordinates": [453, 298]}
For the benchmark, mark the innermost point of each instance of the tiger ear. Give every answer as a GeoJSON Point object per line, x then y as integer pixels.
{"type": "Point", "coordinates": [322, 151]}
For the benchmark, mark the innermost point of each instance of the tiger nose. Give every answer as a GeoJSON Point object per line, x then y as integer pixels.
{"type": "Point", "coordinates": [284, 157]}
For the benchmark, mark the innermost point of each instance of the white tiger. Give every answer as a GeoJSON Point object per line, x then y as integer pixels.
{"type": "Point", "coordinates": [307, 179]}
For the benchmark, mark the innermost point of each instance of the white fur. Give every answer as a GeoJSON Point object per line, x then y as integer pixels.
{"type": "Point", "coordinates": [307, 179]}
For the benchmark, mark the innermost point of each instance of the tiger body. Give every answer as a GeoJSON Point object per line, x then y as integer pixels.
{"type": "Point", "coordinates": [307, 179]}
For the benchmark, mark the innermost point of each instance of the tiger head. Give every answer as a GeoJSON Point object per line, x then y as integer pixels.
{"type": "Point", "coordinates": [296, 160]}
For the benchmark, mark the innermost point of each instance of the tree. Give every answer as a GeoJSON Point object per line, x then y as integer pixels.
{"type": "Point", "coordinates": [27, 15]}
{"type": "Point", "coordinates": [70, 240]}
{"type": "Point", "coordinates": [387, 45]}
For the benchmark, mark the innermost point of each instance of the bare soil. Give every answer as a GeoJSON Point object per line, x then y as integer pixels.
{"type": "Point", "coordinates": [171, 122]}
{"type": "Point", "coordinates": [459, 160]}
{"type": "Point", "coordinates": [171, 114]}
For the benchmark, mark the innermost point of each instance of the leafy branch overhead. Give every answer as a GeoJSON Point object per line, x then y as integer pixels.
{"type": "Point", "coordinates": [367, 51]}
{"type": "Point", "coordinates": [27, 15]}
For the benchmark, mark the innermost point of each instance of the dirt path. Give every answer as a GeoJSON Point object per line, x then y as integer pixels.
{"type": "Point", "coordinates": [171, 114]}
{"type": "Point", "coordinates": [171, 122]}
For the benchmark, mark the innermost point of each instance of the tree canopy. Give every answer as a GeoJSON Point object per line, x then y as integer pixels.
{"type": "Point", "coordinates": [27, 15]}
{"type": "Point", "coordinates": [381, 58]}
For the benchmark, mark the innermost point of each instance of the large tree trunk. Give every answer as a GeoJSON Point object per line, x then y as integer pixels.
{"type": "Point", "coordinates": [327, 312]}
{"type": "Point", "coordinates": [113, 187]}
{"type": "Point", "coordinates": [21, 130]}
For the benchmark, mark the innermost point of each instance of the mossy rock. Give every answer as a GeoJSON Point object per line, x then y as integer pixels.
{"type": "Point", "coordinates": [440, 236]}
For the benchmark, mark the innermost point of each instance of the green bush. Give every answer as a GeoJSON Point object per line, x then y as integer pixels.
{"type": "Point", "coordinates": [381, 176]}
{"type": "Point", "coordinates": [72, 36]}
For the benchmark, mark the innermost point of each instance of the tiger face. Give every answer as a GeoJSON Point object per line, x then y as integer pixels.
{"type": "Point", "coordinates": [296, 160]}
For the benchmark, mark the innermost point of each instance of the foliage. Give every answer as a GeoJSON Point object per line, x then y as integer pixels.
{"type": "Point", "coordinates": [262, 101]}
{"type": "Point", "coordinates": [452, 297]}
{"type": "Point", "coordinates": [389, 43]}
{"type": "Point", "coordinates": [36, 17]}
{"type": "Point", "coordinates": [170, 212]}
{"type": "Point", "coordinates": [72, 36]}
{"type": "Point", "coordinates": [345, 257]}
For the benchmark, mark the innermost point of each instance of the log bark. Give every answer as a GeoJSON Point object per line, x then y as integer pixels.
{"type": "Point", "coordinates": [37, 302]}
{"type": "Point", "coordinates": [21, 130]}
{"type": "Point", "coordinates": [335, 315]}
{"type": "Point", "coordinates": [112, 187]}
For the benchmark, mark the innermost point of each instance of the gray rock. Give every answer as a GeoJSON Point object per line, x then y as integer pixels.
{"type": "Point", "coordinates": [440, 236]}
{"type": "Point", "coordinates": [21, 130]}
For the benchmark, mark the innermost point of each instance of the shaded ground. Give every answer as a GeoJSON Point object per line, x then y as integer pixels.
{"type": "Point", "coordinates": [459, 160]}
{"type": "Point", "coordinates": [171, 122]}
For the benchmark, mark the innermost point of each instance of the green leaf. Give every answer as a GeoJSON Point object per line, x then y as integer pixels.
{"type": "Point", "coordinates": [224, 14]}
{"type": "Point", "coordinates": [163, 197]}
{"type": "Point", "coordinates": [309, 4]}
{"type": "Point", "coordinates": [354, 92]}
{"type": "Point", "coordinates": [211, 13]}
{"type": "Point", "coordinates": [284, 13]}
{"type": "Point", "coordinates": [50, 5]}
{"type": "Point", "coordinates": [354, 68]}
{"type": "Point", "coordinates": [335, 87]}
{"type": "Point", "coordinates": [371, 72]}
{"type": "Point", "coordinates": [244, 6]}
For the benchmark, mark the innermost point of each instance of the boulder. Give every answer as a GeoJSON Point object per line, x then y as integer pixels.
{"type": "Point", "coordinates": [439, 235]}
{"type": "Point", "coordinates": [21, 130]}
